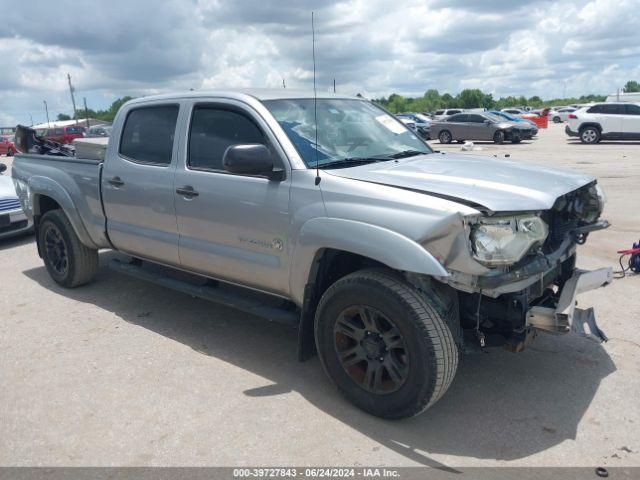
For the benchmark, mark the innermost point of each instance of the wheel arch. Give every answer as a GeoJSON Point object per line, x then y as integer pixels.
{"type": "Point", "coordinates": [590, 124]}
{"type": "Point", "coordinates": [329, 249]}
{"type": "Point", "coordinates": [48, 195]}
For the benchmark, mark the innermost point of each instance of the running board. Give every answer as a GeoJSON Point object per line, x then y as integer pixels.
{"type": "Point", "coordinates": [213, 294]}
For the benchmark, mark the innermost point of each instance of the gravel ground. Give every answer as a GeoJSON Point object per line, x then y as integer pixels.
{"type": "Point", "coordinates": [125, 373]}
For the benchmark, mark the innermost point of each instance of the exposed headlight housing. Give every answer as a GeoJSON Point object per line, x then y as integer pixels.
{"type": "Point", "coordinates": [24, 194]}
{"type": "Point", "coordinates": [498, 241]}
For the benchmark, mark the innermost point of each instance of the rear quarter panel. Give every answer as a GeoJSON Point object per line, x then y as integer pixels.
{"type": "Point", "coordinates": [74, 184]}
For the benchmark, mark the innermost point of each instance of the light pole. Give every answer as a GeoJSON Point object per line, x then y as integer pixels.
{"type": "Point", "coordinates": [46, 109]}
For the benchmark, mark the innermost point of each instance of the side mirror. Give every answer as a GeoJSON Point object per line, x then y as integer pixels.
{"type": "Point", "coordinates": [250, 159]}
{"type": "Point", "coordinates": [3, 167]}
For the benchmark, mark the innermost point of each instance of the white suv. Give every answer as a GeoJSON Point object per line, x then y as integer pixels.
{"type": "Point", "coordinates": [444, 113]}
{"type": "Point", "coordinates": [605, 121]}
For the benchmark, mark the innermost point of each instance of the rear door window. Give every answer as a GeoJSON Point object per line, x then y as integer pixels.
{"type": "Point", "coordinates": [476, 118]}
{"type": "Point", "coordinates": [612, 109]}
{"type": "Point", "coordinates": [457, 118]}
{"type": "Point", "coordinates": [148, 134]}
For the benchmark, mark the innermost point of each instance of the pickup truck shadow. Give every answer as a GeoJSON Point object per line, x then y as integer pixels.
{"type": "Point", "coordinates": [501, 405]}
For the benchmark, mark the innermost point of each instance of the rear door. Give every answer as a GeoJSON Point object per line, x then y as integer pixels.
{"type": "Point", "coordinates": [610, 119]}
{"type": "Point", "coordinates": [456, 125]}
{"type": "Point", "coordinates": [137, 183]}
{"type": "Point", "coordinates": [233, 227]}
{"type": "Point", "coordinates": [631, 121]}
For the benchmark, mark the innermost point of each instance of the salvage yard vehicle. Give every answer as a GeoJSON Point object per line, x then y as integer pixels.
{"type": "Point", "coordinates": [328, 214]}
{"type": "Point", "coordinates": [13, 220]}
{"type": "Point", "coordinates": [605, 121]}
{"type": "Point", "coordinates": [64, 135]}
{"type": "Point", "coordinates": [479, 126]}
{"type": "Point", "coordinates": [6, 145]}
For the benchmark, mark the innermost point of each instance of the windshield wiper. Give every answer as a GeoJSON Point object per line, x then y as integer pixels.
{"type": "Point", "coordinates": [406, 153]}
{"type": "Point", "coordinates": [349, 162]}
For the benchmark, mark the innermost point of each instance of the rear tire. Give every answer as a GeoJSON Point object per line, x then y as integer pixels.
{"type": "Point", "coordinates": [557, 120]}
{"type": "Point", "coordinates": [590, 135]}
{"type": "Point", "coordinates": [445, 136]}
{"type": "Point", "coordinates": [498, 137]}
{"type": "Point", "coordinates": [10, 152]}
{"type": "Point", "coordinates": [68, 261]}
{"type": "Point", "coordinates": [384, 344]}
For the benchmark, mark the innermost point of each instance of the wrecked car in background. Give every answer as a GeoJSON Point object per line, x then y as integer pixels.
{"type": "Point", "coordinates": [328, 214]}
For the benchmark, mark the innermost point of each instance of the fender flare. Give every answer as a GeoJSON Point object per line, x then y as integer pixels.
{"type": "Point", "coordinates": [46, 187]}
{"type": "Point", "coordinates": [383, 245]}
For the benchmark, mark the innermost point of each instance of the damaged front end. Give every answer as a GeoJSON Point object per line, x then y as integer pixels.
{"type": "Point", "coordinates": [517, 275]}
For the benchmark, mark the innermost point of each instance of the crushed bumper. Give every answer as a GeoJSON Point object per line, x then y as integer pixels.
{"type": "Point", "coordinates": [566, 317]}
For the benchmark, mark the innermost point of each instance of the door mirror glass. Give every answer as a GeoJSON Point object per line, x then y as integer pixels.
{"type": "Point", "coordinates": [249, 159]}
{"type": "Point", "coordinates": [3, 167]}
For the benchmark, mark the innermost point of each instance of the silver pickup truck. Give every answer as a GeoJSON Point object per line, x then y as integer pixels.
{"type": "Point", "coordinates": [329, 214]}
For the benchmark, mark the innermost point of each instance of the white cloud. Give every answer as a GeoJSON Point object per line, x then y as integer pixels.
{"type": "Point", "coordinates": [375, 47]}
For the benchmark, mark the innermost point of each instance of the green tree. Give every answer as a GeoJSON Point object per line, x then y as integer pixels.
{"type": "Point", "coordinates": [63, 116]}
{"type": "Point", "coordinates": [470, 98]}
{"type": "Point", "coordinates": [631, 86]}
{"type": "Point", "coordinates": [447, 101]}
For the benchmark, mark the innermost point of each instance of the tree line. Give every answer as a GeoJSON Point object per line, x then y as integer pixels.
{"type": "Point", "coordinates": [431, 101]}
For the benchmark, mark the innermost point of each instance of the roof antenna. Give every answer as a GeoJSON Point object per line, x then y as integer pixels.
{"type": "Point", "coordinates": [315, 95]}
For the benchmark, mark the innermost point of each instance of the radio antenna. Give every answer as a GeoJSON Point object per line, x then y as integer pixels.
{"type": "Point", "coordinates": [315, 95]}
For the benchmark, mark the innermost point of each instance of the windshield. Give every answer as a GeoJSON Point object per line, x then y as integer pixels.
{"type": "Point", "coordinates": [493, 117]}
{"type": "Point", "coordinates": [347, 129]}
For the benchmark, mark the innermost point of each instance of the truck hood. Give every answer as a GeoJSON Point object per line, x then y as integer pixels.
{"type": "Point", "coordinates": [476, 180]}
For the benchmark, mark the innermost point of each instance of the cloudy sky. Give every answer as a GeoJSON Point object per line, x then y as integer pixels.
{"type": "Point", "coordinates": [113, 48]}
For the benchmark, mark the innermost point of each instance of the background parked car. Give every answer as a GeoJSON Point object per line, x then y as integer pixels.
{"type": "Point", "coordinates": [605, 121]}
{"type": "Point", "coordinates": [513, 111]}
{"type": "Point", "coordinates": [13, 221]}
{"type": "Point", "coordinates": [422, 123]}
{"type": "Point", "coordinates": [560, 115]}
{"type": "Point", "coordinates": [62, 134]}
{"type": "Point", "coordinates": [7, 146]}
{"type": "Point", "coordinates": [99, 131]}
{"type": "Point", "coordinates": [478, 126]}
{"type": "Point", "coordinates": [444, 113]}
{"type": "Point", "coordinates": [513, 118]}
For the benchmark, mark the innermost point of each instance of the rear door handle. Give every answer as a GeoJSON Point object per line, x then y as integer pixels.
{"type": "Point", "coordinates": [187, 191]}
{"type": "Point", "coordinates": [116, 181]}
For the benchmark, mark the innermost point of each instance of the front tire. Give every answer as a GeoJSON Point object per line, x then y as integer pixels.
{"type": "Point", "coordinates": [590, 135]}
{"type": "Point", "coordinates": [445, 136]}
{"type": "Point", "coordinates": [69, 262]}
{"type": "Point", "coordinates": [384, 344]}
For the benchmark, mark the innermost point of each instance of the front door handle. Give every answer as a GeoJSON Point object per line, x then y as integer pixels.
{"type": "Point", "coordinates": [116, 181]}
{"type": "Point", "coordinates": [187, 191]}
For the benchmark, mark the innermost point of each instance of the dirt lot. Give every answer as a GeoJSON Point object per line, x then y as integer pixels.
{"type": "Point", "coordinates": [124, 373]}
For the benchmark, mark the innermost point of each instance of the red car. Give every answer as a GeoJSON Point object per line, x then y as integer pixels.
{"type": "Point", "coordinates": [62, 134]}
{"type": "Point", "coordinates": [6, 145]}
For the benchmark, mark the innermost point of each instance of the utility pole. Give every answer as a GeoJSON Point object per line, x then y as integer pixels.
{"type": "Point", "coordinates": [31, 117]}
{"type": "Point", "coordinates": [46, 109]}
{"type": "Point", "coordinates": [73, 100]}
{"type": "Point", "coordinates": [283, 84]}
{"type": "Point", "coordinates": [86, 111]}
{"type": "Point", "coordinates": [334, 85]}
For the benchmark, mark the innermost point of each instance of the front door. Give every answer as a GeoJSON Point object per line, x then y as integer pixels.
{"type": "Point", "coordinates": [232, 227]}
{"type": "Point", "coordinates": [137, 184]}
{"type": "Point", "coordinates": [631, 122]}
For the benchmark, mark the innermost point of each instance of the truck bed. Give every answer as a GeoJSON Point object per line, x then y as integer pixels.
{"type": "Point", "coordinates": [63, 179]}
